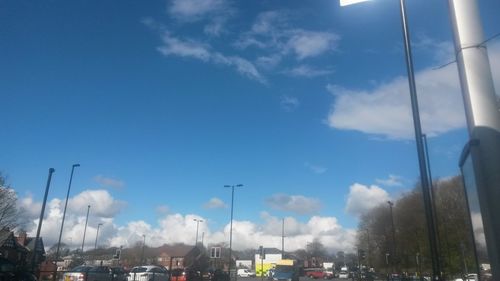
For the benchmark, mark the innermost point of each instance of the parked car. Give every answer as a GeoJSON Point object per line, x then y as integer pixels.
{"type": "Point", "coordinates": [119, 274]}
{"type": "Point", "coordinates": [88, 273]}
{"type": "Point", "coordinates": [469, 277]}
{"type": "Point", "coordinates": [243, 272]}
{"type": "Point", "coordinates": [315, 273]}
{"type": "Point", "coordinates": [178, 274]}
{"type": "Point", "coordinates": [148, 273]}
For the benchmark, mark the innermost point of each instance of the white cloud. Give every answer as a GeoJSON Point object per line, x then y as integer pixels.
{"type": "Point", "coordinates": [362, 198]}
{"type": "Point", "coordinates": [307, 44]}
{"type": "Point", "coordinates": [107, 181]}
{"type": "Point", "coordinates": [393, 180]}
{"type": "Point", "coordinates": [307, 71]}
{"type": "Point", "coordinates": [178, 228]}
{"type": "Point", "coordinates": [101, 203]}
{"type": "Point", "coordinates": [191, 10]}
{"type": "Point", "coordinates": [215, 203]}
{"type": "Point", "coordinates": [163, 209]}
{"type": "Point", "coordinates": [294, 203]}
{"type": "Point", "coordinates": [386, 109]}
{"type": "Point", "coordinates": [184, 48]}
{"type": "Point", "coordinates": [289, 103]}
{"type": "Point", "coordinates": [315, 168]}
{"type": "Point", "coordinates": [192, 49]}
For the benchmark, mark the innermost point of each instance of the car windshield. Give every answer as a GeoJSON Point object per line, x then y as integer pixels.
{"type": "Point", "coordinates": [138, 269]}
{"type": "Point", "coordinates": [203, 135]}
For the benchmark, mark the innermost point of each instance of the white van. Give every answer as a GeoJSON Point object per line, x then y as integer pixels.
{"type": "Point", "coordinates": [243, 272]}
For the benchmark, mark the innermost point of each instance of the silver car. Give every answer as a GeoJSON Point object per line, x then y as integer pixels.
{"type": "Point", "coordinates": [148, 273]}
{"type": "Point", "coordinates": [88, 273]}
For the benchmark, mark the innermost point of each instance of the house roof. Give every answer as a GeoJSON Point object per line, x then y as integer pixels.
{"type": "Point", "coordinates": [272, 251]}
{"type": "Point", "coordinates": [177, 250]}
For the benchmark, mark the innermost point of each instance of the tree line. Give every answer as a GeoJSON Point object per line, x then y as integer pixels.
{"type": "Point", "coordinates": [398, 241]}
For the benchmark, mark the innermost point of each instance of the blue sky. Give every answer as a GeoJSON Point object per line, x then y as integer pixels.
{"type": "Point", "coordinates": [164, 102]}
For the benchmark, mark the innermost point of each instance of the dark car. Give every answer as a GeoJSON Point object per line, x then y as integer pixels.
{"type": "Point", "coordinates": [119, 274]}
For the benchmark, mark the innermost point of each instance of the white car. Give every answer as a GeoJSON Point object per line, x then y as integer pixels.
{"type": "Point", "coordinates": [469, 277]}
{"type": "Point", "coordinates": [343, 274]}
{"type": "Point", "coordinates": [148, 273]}
{"type": "Point", "coordinates": [243, 272]}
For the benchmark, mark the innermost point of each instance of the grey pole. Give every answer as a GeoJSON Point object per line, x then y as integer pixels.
{"type": "Point", "coordinates": [393, 254]}
{"type": "Point", "coordinates": [97, 235]}
{"type": "Point", "coordinates": [85, 229]}
{"type": "Point", "coordinates": [143, 245]}
{"type": "Point", "coordinates": [64, 212]}
{"type": "Point", "coordinates": [283, 239]}
{"type": "Point", "coordinates": [33, 258]}
{"type": "Point", "coordinates": [424, 178]}
{"type": "Point", "coordinates": [231, 226]}
{"type": "Point", "coordinates": [483, 118]}
{"type": "Point", "coordinates": [197, 225]}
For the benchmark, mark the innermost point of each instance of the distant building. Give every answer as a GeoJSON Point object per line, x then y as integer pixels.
{"type": "Point", "coordinates": [178, 256]}
{"type": "Point", "coordinates": [268, 261]}
{"type": "Point", "coordinates": [11, 249]}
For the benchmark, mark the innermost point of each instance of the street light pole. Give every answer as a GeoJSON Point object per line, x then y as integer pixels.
{"type": "Point", "coordinates": [143, 244]}
{"type": "Point", "coordinates": [85, 229]}
{"type": "Point", "coordinates": [197, 225]}
{"type": "Point", "coordinates": [424, 178]}
{"type": "Point", "coordinates": [231, 226]}
{"type": "Point", "coordinates": [483, 122]}
{"type": "Point", "coordinates": [97, 235]}
{"type": "Point", "coordinates": [283, 239]}
{"type": "Point", "coordinates": [393, 236]}
{"type": "Point", "coordinates": [33, 258]}
{"type": "Point", "coordinates": [64, 212]}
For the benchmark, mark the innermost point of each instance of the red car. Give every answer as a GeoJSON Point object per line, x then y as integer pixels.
{"type": "Point", "coordinates": [315, 273]}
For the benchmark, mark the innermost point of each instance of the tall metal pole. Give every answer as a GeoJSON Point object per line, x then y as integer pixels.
{"type": "Point", "coordinates": [97, 235]}
{"type": "Point", "coordinates": [483, 118]}
{"type": "Point", "coordinates": [35, 247]}
{"type": "Point", "coordinates": [64, 212]}
{"type": "Point", "coordinates": [424, 178]}
{"type": "Point", "coordinates": [85, 229]}
{"type": "Point", "coordinates": [197, 225]}
{"type": "Point", "coordinates": [393, 254]}
{"type": "Point", "coordinates": [231, 226]}
{"type": "Point", "coordinates": [283, 239]}
{"type": "Point", "coordinates": [143, 245]}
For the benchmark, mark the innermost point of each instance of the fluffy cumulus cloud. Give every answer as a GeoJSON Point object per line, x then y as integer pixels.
{"type": "Point", "coordinates": [215, 203]}
{"type": "Point", "coordinates": [179, 228]}
{"type": "Point", "coordinates": [306, 44]}
{"type": "Point", "coordinates": [386, 110]}
{"type": "Point", "coordinates": [103, 208]}
{"type": "Point", "coordinates": [294, 203]}
{"type": "Point", "coordinates": [362, 198]}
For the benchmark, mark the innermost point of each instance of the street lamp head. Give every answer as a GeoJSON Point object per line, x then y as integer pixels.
{"type": "Point", "coordinates": [227, 185]}
{"type": "Point", "coordinates": [76, 165]}
{"type": "Point", "coordinates": [239, 185]}
{"type": "Point", "coordinates": [350, 2]}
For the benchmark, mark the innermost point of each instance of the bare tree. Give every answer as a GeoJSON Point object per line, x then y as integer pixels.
{"type": "Point", "coordinates": [9, 214]}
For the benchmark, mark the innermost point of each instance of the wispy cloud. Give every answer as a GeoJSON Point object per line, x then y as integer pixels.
{"type": "Point", "coordinates": [307, 71]}
{"type": "Point", "coordinates": [173, 46]}
{"type": "Point", "coordinates": [107, 181]}
{"type": "Point", "coordinates": [272, 32]}
{"type": "Point", "coordinates": [215, 203]}
{"type": "Point", "coordinates": [192, 10]}
{"type": "Point", "coordinates": [294, 203]}
{"type": "Point", "coordinates": [289, 103]}
{"type": "Point", "coordinates": [393, 180]}
{"type": "Point", "coordinates": [315, 168]}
